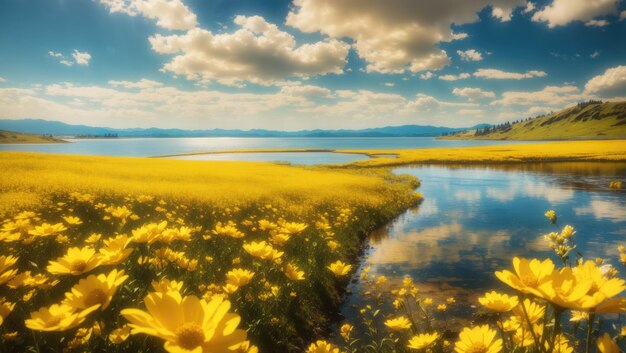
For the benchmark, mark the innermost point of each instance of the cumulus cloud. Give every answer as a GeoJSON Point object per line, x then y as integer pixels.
{"type": "Point", "coordinates": [395, 36]}
{"type": "Point", "coordinates": [597, 23]}
{"type": "Point", "coordinates": [2, 79]}
{"type": "Point", "coordinates": [169, 14]}
{"type": "Point", "coordinates": [562, 12]}
{"type": "Point", "coordinates": [473, 93]}
{"type": "Point", "coordinates": [427, 75]}
{"type": "Point", "coordinates": [556, 96]}
{"type": "Point", "coordinates": [503, 75]}
{"type": "Point", "coordinates": [622, 15]}
{"type": "Point", "coordinates": [612, 82]}
{"type": "Point", "coordinates": [141, 84]}
{"type": "Point", "coordinates": [77, 57]}
{"type": "Point", "coordinates": [257, 52]}
{"type": "Point", "coordinates": [451, 77]}
{"type": "Point", "coordinates": [470, 55]}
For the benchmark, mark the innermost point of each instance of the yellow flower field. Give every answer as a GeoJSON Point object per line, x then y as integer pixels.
{"type": "Point", "coordinates": [145, 255]}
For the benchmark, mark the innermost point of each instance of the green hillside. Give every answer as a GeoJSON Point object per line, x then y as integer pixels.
{"type": "Point", "coordinates": [18, 137]}
{"type": "Point", "coordinates": [589, 120]}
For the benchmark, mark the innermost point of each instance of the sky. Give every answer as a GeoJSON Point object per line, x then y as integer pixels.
{"type": "Point", "coordinates": [305, 64]}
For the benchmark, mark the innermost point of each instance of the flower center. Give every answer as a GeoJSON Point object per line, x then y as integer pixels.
{"type": "Point", "coordinates": [190, 335]}
{"type": "Point", "coordinates": [530, 281]}
{"type": "Point", "coordinates": [78, 266]}
{"type": "Point", "coordinates": [477, 347]}
{"type": "Point", "coordinates": [96, 296]}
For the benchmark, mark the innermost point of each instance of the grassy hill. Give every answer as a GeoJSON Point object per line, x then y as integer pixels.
{"type": "Point", "coordinates": [591, 120]}
{"type": "Point", "coordinates": [18, 137]}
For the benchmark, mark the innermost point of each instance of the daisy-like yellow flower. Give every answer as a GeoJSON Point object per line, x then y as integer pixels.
{"type": "Point", "coordinates": [165, 285]}
{"type": "Point", "coordinates": [346, 330]}
{"type": "Point", "coordinates": [498, 302]}
{"type": "Point", "coordinates": [339, 268]}
{"type": "Point", "coordinates": [399, 323]}
{"type": "Point", "coordinates": [239, 277]}
{"type": "Point", "coordinates": [57, 317]}
{"type": "Point", "coordinates": [6, 273]}
{"type": "Point", "coordinates": [46, 229]}
{"type": "Point", "coordinates": [119, 335]}
{"type": "Point", "coordinates": [267, 225]}
{"type": "Point", "coordinates": [72, 220]}
{"type": "Point", "coordinates": [5, 309]}
{"type": "Point", "coordinates": [188, 324]}
{"type": "Point", "coordinates": [95, 290]}
{"type": "Point", "coordinates": [228, 230]}
{"type": "Point", "coordinates": [322, 347]}
{"type": "Point", "coordinates": [76, 262]}
{"type": "Point", "coordinates": [293, 228]}
{"type": "Point", "coordinates": [607, 345]}
{"type": "Point", "coordinates": [568, 232]}
{"type": "Point", "coordinates": [279, 238]}
{"type": "Point", "coordinates": [293, 272]}
{"type": "Point", "coordinates": [529, 275]}
{"type": "Point", "coordinates": [149, 233]}
{"type": "Point", "coordinates": [602, 288]}
{"type": "Point", "coordinates": [561, 345]}
{"type": "Point", "coordinates": [247, 347]}
{"type": "Point", "coordinates": [551, 215]}
{"type": "Point", "coordinates": [565, 289]}
{"type": "Point", "coordinates": [121, 213]}
{"type": "Point", "coordinates": [479, 339]}
{"type": "Point", "coordinates": [578, 316]}
{"type": "Point", "coordinates": [115, 250]}
{"type": "Point", "coordinates": [534, 311]}
{"type": "Point", "coordinates": [423, 340]}
{"type": "Point", "coordinates": [262, 250]}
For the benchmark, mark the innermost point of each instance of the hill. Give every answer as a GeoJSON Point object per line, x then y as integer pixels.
{"type": "Point", "coordinates": [588, 120]}
{"type": "Point", "coordinates": [17, 137]}
{"type": "Point", "coordinates": [57, 128]}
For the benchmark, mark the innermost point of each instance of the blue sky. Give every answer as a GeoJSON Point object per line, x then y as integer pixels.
{"type": "Point", "coordinates": [306, 63]}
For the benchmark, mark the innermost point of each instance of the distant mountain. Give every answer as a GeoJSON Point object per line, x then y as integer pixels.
{"type": "Point", "coordinates": [586, 120]}
{"type": "Point", "coordinates": [57, 128]}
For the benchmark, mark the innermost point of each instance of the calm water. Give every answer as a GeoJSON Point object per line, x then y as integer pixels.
{"type": "Point", "coordinates": [474, 220]}
{"type": "Point", "coordinates": [303, 158]}
{"type": "Point", "coordinates": [164, 146]}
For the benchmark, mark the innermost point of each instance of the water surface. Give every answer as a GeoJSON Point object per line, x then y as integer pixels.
{"type": "Point", "coordinates": [474, 220]}
{"type": "Point", "coordinates": [302, 158]}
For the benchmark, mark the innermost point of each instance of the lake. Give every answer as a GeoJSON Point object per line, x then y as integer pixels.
{"type": "Point", "coordinates": [147, 147]}
{"type": "Point", "coordinates": [474, 220]}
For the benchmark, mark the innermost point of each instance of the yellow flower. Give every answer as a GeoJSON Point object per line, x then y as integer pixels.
{"type": "Point", "coordinates": [165, 285]}
{"type": "Point", "coordinates": [442, 307]}
{"type": "Point", "coordinates": [423, 340]}
{"type": "Point", "coordinates": [293, 272]}
{"type": "Point", "coordinates": [119, 335]}
{"type": "Point", "coordinates": [346, 330]}
{"type": "Point", "coordinates": [322, 347]}
{"type": "Point", "coordinates": [228, 229]}
{"type": "Point", "coordinates": [480, 339]}
{"type": "Point", "coordinates": [76, 261]}
{"type": "Point", "coordinates": [267, 225]}
{"type": "Point", "coordinates": [122, 213]}
{"type": "Point", "coordinates": [602, 288]}
{"type": "Point", "coordinates": [239, 277]}
{"type": "Point", "coordinates": [568, 232]}
{"type": "Point", "coordinates": [58, 317]}
{"type": "Point", "coordinates": [262, 250]}
{"type": "Point", "coordinates": [607, 345]}
{"type": "Point", "coordinates": [5, 309]}
{"type": "Point", "coordinates": [46, 229]}
{"type": "Point", "coordinates": [72, 220]}
{"type": "Point", "coordinates": [247, 347]}
{"type": "Point", "coordinates": [528, 276]}
{"type": "Point", "coordinates": [279, 238]}
{"type": "Point", "coordinates": [531, 309]}
{"type": "Point", "coordinates": [498, 302]}
{"type": "Point", "coordinates": [115, 250]}
{"type": "Point", "coordinates": [578, 316]}
{"type": "Point", "coordinates": [565, 289]}
{"type": "Point", "coordinates": [188, 324]}
{"type": "Point", "coordinates": [551, 216]}
{"type": "Point", "coordinates": [561, 345]}
{"type": "Point", "coordinates": [95, 290]}
{"type": "Point", "coordinates": [149, 233]}
{"type": "Point", "coordinates": [339, 268]}
{"type": "Point", "coordinates": [293, 228]}
{"type": "Point", "coordinates": [399, 323]}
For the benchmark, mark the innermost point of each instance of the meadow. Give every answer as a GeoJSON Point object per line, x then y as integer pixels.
{"type": "Point", "coordinates": [146, 255]}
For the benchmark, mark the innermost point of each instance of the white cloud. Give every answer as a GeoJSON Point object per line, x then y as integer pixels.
{"type": "Point", "coordinates": [473, 93]}
{"type": "Point", "coordinates": [427, 75]}
{"type": "Point", "coordinates": [169, 14]}
{"type": "Point", "coordinates": [611, 82]}
{"type": "Point", "coordinates": [594, 55]}
{"type": "Point", "coordinates": [81, 58]}
{"type": "Point", "coordinates": [562, 12]}
{"type": "Point", "coordinates": [257, 52]}
{"type": "Point", "coordinates": [141, 84]}
{"type": "Point", "coordinates": [622, 15]}
{"type": "Point", "coordinates": [557, 96]}
{"type": "Point", "coordinates": [597, 23]}
{"type": "Point", "coordinates": [309, 92]}
{"type": "Point", "coordinates": [460, 76]}
{"type": "Point", "coordinates": [2, 79]}
{"type": "Point", "coordinates": [530, 7]}
{"type": "Point", "coordinates": [470, 55]}
{"type": "Point", "coordinates": [503, 75]}
{"type": "Point", "coordinates": [77, 57]}
{"type": "Point", "coordinates": [503, 14]}
{"type": "Point", "coordinates": [394, 36]}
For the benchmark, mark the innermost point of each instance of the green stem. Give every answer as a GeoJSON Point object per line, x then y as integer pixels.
{"type": "Point", "coordinates": [589, 330]}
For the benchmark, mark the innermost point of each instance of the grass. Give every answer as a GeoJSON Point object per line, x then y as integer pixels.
{"type": "Point", "coordinates": [594, 121]}
{"type": "Point", "coordinates": [18, 137]}
{"type": "Point", "coordinates": [324, 213]}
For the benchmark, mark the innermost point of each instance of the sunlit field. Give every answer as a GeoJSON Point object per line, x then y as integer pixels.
{"type": "Point", "coordinates": [223, 256]}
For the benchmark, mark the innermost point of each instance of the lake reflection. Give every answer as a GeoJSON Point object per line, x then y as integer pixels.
{"type": "Point", "coordinates": [474, 220]}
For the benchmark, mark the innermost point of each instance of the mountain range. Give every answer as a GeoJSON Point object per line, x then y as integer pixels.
{"type": "Point", "coordinates": [57, 128]}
